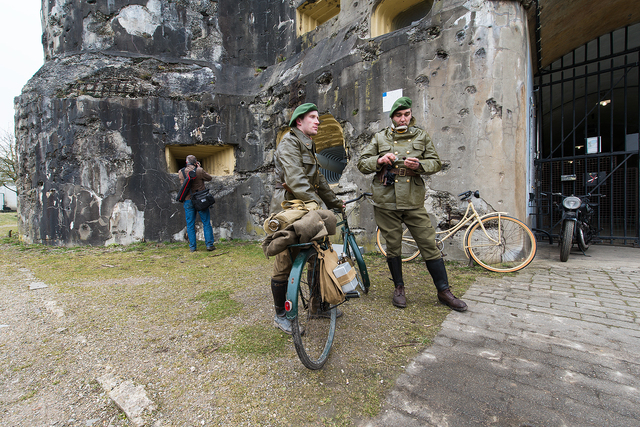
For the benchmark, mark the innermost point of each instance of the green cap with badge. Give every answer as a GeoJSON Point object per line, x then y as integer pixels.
{"type": "Point", "coordinates": [402, 103]}
{"type": "Point", "coordinates": [302, 110]}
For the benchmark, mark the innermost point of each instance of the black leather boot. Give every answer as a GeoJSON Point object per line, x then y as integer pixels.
{"type": "Point", "coordinates": [439, 274]}
{"type": "Point", "coordinates": [395, 267]}
{"type": "Point", "coordinates": [279, 291]}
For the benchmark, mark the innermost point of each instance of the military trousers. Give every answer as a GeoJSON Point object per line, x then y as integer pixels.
{"type": "Point", "coordinates": [282, 265]}
{"type": "Point", "coordinates": [418, 223]}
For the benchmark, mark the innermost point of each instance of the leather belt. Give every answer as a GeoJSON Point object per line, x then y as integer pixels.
{"type": "Point", "coordinates": [403, 172]}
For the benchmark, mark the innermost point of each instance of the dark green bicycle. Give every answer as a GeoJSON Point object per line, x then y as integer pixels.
{"type": "Point", "coordinates": [313, 321]}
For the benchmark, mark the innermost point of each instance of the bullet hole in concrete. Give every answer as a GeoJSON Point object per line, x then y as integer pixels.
{"type": "Point", "coordinates": [325, 78]}
{"type": "Point", "coordinates": [481, 53]}
{"type": "Point", "coordinates": [460, 35]}
{"type": "Point", "coordinates": [494, 108]}
{"type": "Point", "coordinates": [424, 34]}
{"type": "Point", "coordinates": [442, 54]}
{"type": "Point", "coordinates": [242, 103]}
{"type": "Point", "coordinates": [422, 80]}
{"type": "Point", "coordinates": [462, 148]}
{"type": "Point", "coordinates": [471, 89]}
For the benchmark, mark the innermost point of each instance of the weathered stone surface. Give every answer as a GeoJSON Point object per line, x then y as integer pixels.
{"type": "Point", "coordinates": [131, 398]}
{"type": "Point", "coordinates": [125, 79]}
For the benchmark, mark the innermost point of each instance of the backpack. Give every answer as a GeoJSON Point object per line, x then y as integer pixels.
{"type": "Point", "coordinates": [186, 184]}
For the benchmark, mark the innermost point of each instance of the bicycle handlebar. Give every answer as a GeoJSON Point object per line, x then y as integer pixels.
{"type": "Point", "coordinates": [467, 194]}
{"type": "Point", "coordinates": [358, 198]}
{"type": "Point", "coordinates": [342, 211]}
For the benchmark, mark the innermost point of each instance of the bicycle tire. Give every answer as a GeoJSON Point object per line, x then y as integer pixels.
{"type": "Point", "coordinates": [514, 250]}
{"type": "Point", "coordinates": [312, 334]}
{"type": "Point", "coordinates": [409, 247]}
{"type": "Point", "coordinates": [567, 240]}
{"type": "Point", "coordinates": [353, 252]}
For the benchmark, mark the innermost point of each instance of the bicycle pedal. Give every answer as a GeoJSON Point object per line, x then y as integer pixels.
{"type": "Point", "coordinates": [352, 294]}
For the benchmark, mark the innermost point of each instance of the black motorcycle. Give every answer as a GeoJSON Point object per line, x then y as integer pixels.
{"type": "Point", "coordinates": [577, 223]}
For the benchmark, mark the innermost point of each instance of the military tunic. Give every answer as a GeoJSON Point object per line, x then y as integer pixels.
{"type": "Point", "coordinates": [403, 201]}
{"type": "Point", "coordinates": [297, 166]}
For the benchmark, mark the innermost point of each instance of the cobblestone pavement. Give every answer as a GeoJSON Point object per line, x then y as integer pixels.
{"type": "Point", "coordinates": [555, 345]}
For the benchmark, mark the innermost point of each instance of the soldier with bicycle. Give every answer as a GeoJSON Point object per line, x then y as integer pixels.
{"type": "Point", "coordinates": [399, 155]}
{"type": "Point", "coordinates": [298, 176]}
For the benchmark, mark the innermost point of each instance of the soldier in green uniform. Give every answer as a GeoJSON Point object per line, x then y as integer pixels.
{"type": "Point", "coordinates": [298, 176]}
{"type": "Point", "coordinates": [399, 155]}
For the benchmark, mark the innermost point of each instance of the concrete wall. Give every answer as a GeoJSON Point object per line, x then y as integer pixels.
{"type": "Point", "coordinates": [125, 79]}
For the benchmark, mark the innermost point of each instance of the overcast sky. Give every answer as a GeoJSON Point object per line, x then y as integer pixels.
{"type": "Point", "coordinates": [20, 52]}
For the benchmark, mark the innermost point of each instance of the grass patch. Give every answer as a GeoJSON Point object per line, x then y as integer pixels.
{"type": "Point", "coordinates": [8, 225]}
{"type": "Point", "coordinates": [219, 305]}
{"type": "Point", "coordinates": [257, 341]}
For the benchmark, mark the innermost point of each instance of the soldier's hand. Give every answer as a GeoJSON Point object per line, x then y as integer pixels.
{"type": "Point", "coordinates": [387, 159]}
{"type": "Point", "coordinates": [412, 163]}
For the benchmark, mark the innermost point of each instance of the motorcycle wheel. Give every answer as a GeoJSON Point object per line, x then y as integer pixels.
{"type": "Point", "coordinates": [567, 240]}
{"type": "Point", "coordinates": [583, 241]}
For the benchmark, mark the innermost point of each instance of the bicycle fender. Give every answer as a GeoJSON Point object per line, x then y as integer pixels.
{"type": "Point", "coordinates": [293, 283]}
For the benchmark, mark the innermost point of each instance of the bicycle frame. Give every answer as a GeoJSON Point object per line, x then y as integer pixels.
{"type": "Point", "coordinates": [473, 218]}
{"type": "Point", "coordinates": [293, 283]}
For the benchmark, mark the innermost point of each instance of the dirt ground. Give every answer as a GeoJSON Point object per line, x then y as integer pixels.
{"type": "Point", "coordinates": [69, 318]}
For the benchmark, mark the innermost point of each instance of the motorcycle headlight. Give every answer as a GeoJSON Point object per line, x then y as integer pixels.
{"type": "Point", "coordinates": [571, 202]}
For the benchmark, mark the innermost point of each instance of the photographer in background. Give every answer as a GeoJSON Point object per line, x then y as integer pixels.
{"type": "Point", "coordinates": [189, 211]}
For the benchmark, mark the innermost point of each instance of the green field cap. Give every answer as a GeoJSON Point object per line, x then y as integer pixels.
{"type": "Point", "coordinates": [401, 103]}
{"type": "Point", "coordinates": [302, 110]}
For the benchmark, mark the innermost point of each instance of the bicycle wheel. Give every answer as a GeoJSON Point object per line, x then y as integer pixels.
{"type": "Point", "coordinates": [353, 252]}
{"type": "Point", "coordinates": [409, 247]}
{"type": "Point", "coordinates": [504, 245]}
{"type": "Point", "coordinates": [567, 240]}
{"type": "Point", "coordinates": [315, 325]}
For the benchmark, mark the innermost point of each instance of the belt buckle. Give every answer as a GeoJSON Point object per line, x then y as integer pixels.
{"type": "Point", "coordinates": [402, 171]}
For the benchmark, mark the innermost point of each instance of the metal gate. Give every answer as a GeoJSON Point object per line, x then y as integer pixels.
{"type": "Point", "coordinates": [588, 115]}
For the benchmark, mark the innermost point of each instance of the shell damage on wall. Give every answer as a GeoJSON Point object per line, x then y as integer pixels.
{"type": "Point", "coordinates": [128, 86]}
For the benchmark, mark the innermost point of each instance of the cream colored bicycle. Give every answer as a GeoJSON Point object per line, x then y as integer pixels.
{"type": "Point", "coordinates": [494, 241]}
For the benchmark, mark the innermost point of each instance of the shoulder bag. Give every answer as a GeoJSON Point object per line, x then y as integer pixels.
{"type": "Point", "coordinates": [202, 199]}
